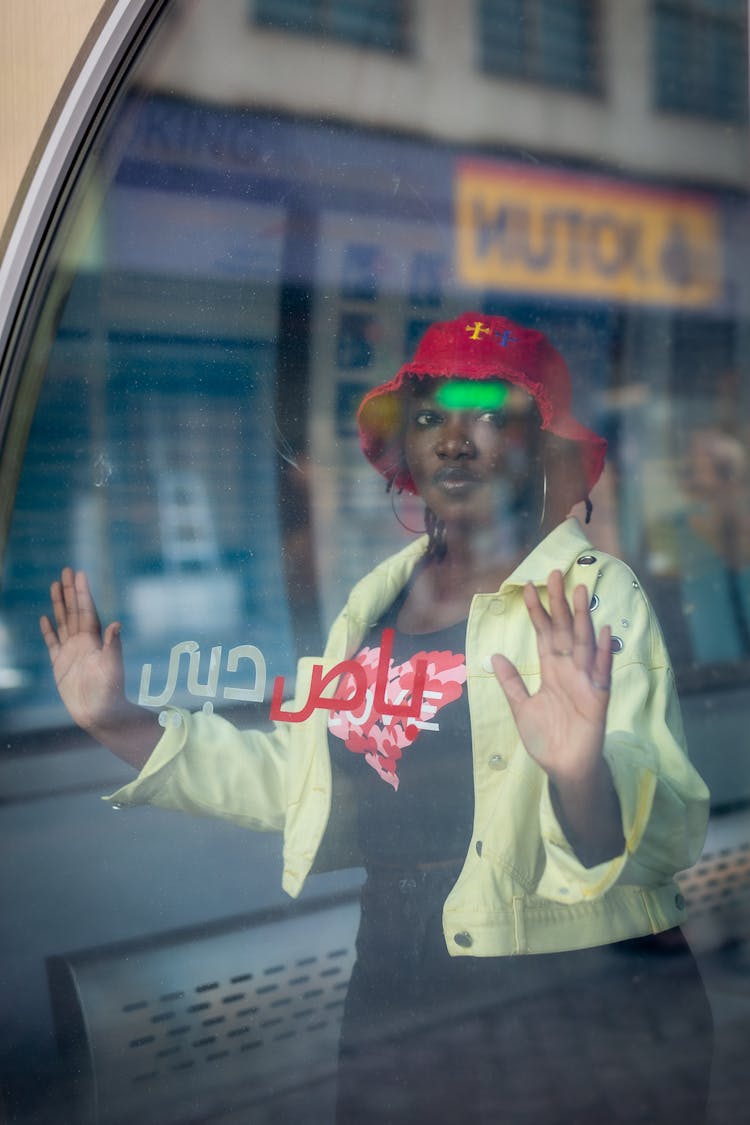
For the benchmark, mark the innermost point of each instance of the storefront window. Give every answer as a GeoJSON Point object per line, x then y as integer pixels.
{"type": "Point", "coordinates": [379, 26]}
{"type": "Point", "coordinates": [700, 58]}
{"type": "Point", "coordinates": [552, 43]}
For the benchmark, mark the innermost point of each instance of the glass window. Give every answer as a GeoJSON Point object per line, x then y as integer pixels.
{"type": "Point", "coordinates": [700, 57]}
{"type": "Point", "coordinates": [381, 26]}
{"type": "Point", "coordinates": [255, 233]}
{"type": "Point", "coordinates": [159, 392]}
{"type": "Point", "coordinates": [553, 43]}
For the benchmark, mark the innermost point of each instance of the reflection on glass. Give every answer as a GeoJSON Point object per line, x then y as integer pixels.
{"type": "Point", "coordinates": [573, 850]}
{"type": "Point", "coordinates": [280, 207]}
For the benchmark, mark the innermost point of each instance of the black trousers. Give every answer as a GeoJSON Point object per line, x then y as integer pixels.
{"type": "Point", "coordinates": [615, 1035]}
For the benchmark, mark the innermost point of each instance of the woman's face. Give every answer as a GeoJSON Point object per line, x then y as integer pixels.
{"type": "Point", "coordinates": [467, 445]}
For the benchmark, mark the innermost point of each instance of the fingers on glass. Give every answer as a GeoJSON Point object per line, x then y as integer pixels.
{"type": "Point", "coordinates": [49, 634]}
{"type": "Point", "coordinates": [554, 629]}
{"type": "Point", "coordinates": [601, 673]}
{"type": "Point", "coordinates": [73, 607]}
{"type": "Point", "coordinates": [583, 630]}
{"type": "Point", "coordinates": [563, 631]}
{"type": "Point", "coordinates": [70, 599]}
{"type": "Point", "coordinates": [537, 613]}
{"type": "Point", "coordinates": [566, 632]}
{"type": "Point", "coordinates": [59, 609]}
{"type": "Point", "coordinates": [89, 618]}
{"type": "Point", "coordinates": [510, 681]}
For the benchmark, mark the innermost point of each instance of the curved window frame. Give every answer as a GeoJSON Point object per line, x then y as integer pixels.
{"type": "Point", "coordinates": [25, 266]}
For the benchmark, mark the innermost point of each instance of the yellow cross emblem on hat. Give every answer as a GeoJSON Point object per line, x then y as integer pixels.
{"type": "Point", "coordinates": [477, 330]}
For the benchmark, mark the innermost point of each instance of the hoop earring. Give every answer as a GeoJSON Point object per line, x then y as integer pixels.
{"type": "Point", "coordinates": [437, 544]}
{"type": "Point", "coordinates": [543, 512]}
{"type": "Point", "coordinates": [398, 492]}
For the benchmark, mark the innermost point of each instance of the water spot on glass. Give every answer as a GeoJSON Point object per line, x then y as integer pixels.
{"type": "Point", "coordinates": [102, 470]}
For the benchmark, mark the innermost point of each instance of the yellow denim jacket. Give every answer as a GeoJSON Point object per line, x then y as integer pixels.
{"type": "Point", "coordinates": [521, 888]}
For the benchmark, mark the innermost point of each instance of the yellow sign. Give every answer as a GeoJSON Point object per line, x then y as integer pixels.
{"type": "Point", "coordinates": [584, 236]}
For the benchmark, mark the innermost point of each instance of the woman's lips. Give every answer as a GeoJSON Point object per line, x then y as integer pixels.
{"type": "Point", "coordinates": [454, 479]}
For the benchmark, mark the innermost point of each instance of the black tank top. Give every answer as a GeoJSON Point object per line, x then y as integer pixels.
{"type": "Point", "coordinates": [412, 776]}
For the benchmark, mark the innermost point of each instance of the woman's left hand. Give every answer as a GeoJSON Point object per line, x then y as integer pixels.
{"type": "Point", "coordinates": [562, 724]}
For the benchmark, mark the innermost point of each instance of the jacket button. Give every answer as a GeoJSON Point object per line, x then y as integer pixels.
{"type": "Point", "coordinates": [479, 847]}
{"type": "Point", "coordinates": [587, 560]}
{"type": "Point", "coordinates": [497, 762]}
{"type": "Point", "coordinates": [463, 939]}
{"type": "Point", "coordinates": [679, 901]}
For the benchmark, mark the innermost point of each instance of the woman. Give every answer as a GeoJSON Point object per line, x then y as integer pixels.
{"type": "Point", "coordinates": [516, 788]}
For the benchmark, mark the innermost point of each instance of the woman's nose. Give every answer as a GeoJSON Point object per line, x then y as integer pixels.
{"type": "Point", "coordinates": [456, 439]}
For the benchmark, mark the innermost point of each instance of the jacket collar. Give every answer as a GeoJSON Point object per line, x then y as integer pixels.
{"type": "Point", "coordinates": [372, 596]}
{"type": "Point", "coordinates": [557, 551]}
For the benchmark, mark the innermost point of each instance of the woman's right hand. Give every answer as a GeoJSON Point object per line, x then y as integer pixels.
{"type": "Point", "coordinates": [87, 664]}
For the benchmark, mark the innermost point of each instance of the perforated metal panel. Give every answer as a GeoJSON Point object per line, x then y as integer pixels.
{"type": "Point", "coordinates": [717, 887]}
{"type": "Point", "coordinates": [717, 878]}
{"type": "Point", "coordinates": [200, 1023]}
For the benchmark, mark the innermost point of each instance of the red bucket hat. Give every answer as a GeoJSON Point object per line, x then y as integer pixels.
{"type": "Point", "coordinates": [482, 347]}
